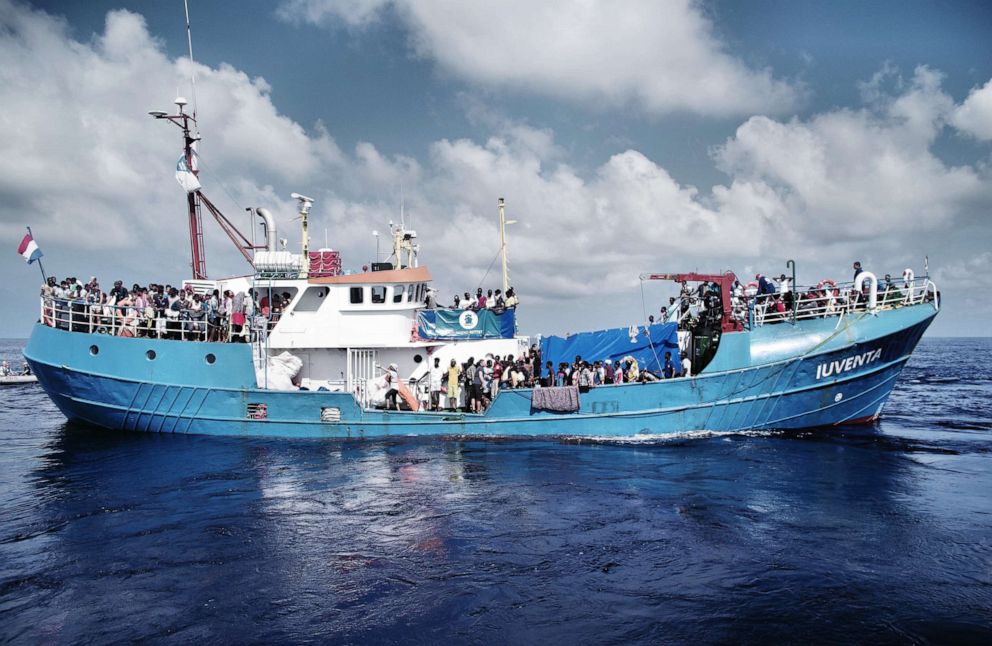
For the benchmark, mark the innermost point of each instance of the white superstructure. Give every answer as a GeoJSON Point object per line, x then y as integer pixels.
{"type": "Point", "coordinates": [346, 327]}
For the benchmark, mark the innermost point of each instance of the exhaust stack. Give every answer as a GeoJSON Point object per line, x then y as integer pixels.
{"type": "Point", "coordinates": [270, 227]}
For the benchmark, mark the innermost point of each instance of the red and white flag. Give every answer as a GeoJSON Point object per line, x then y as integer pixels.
{"type": "Point", "coordinates": [29, 249]}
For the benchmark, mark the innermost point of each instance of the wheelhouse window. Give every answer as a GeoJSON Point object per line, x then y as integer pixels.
{"type": "Point", "coordinates": [409, 293]}
{"type": "Point", "coordinates": [357, 295]}
{"type": "Point", "coordinates": [378, 294]}
{"type": "Point", "coordinates": [398, 294]}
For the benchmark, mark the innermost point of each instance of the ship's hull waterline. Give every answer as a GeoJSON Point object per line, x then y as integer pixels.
{"type": "Point", "coordinates": [811, 373]}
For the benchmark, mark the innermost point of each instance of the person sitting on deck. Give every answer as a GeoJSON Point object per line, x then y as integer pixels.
{"type": "Point", "coordinates": [5, 369]}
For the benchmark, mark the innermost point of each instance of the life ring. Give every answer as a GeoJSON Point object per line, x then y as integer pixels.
{"type": "Point", "coordinates": [751, 288]}
{"type": "Point", "coordinates": [828, 286]}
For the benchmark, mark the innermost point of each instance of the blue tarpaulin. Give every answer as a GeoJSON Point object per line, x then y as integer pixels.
{"type": "Point", "coordinates": [615, 344]}
{"type": "Point", "coordinates": [451, 325]}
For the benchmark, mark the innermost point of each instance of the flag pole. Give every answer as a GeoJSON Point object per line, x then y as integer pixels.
{"type": "Point", "coordinates": [44, 278]}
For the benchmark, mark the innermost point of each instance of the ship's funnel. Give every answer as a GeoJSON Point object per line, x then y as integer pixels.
{"type": "Point", "coordinates": [270, 227]}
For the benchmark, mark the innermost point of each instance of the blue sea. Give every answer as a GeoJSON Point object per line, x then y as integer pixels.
{"type": "Point", "coordinates": [879, 534]}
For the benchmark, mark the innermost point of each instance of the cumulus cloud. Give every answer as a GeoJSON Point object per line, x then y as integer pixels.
{"type": "Point", "coordinates": [974, 116]}
{"type": "Point", "coordinates": [848, 174]}
{"type": "Point", "coordinates": [658, 56]}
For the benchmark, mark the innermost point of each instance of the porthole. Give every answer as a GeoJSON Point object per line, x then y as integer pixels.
{"type": "Point", "coordinates": [94, 350]}
{"type": "Point", "coordinates": [417, 358]}
{"type": "Point", "coordinates": [151, 355]}
{"type": "Point", "coordinates": [211, 359]}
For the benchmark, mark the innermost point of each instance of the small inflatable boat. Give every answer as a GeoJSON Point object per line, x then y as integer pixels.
{"type": "Point", "coordinates": [17, 380]}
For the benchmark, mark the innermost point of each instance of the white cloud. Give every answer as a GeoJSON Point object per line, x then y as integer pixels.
{"type": "Point", "coordinates": [847, 174]}
{"type": "Point", "coordinates": [974, 116]}
{"type": "Point", "coordinates": [659, 56]}
{"type": "Point", "coordinates": [353, 13]}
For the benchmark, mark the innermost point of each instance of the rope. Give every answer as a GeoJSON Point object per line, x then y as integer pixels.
{"type": "Point", "coordinates": [489, 269]}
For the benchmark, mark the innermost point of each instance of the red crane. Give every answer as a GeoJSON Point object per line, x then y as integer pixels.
{"type": "Point", "coordinates": [726, 282]}
{"type": "Point", "coordinates": [188, 175]}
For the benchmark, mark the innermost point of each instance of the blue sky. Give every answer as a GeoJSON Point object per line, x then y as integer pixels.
{"type": "Point", "coordinates": [625, 137]}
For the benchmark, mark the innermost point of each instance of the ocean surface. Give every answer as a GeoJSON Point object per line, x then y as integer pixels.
{"type": "Point", "coordinates": [879, 535]}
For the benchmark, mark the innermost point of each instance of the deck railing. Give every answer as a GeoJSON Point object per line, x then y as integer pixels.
{"type": "Point", "coordinates": [128, 321]}
{"type": "Point", "coordinates": [827, 298]}
{"type": "Point", "coordinates": [833, 299]}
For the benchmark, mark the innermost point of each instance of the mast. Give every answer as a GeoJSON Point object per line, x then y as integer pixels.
{"type": "Point", "coordinates": [198, 261]}
{"type": "Point", "coordinates": [187, 174]}
{"type": "Point", "coordinates": [305, 204]}
{"type": "Point", "coordinates": [502, 242]}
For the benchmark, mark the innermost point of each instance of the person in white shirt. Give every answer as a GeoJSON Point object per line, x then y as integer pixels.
{"type": "Point", "coordinates": [686, 367]}
{"type": "Point", "coordinates": [784, 286]}
{"type": "Point", "coordinates": [437, 375]}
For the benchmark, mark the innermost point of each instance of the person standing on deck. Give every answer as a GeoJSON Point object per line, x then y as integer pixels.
{"type": "Point", "coordinates": [437, 376]}
{"type": "Point", "coordinates": [669, 370]}
{"type": "Point", "coordinates": [454, 380]}
{"type": "Point", "coordinates": [392, 387]}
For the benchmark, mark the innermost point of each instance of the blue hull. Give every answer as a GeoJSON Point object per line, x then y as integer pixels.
{"type": "Point", "coordinates": [812, 373]}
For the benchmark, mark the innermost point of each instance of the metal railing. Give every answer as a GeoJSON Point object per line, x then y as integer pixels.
{"type": "Point", "coordinates": [827, 298]}
{"type": "Point", "coordinates": [833, 299]}
{"type": "Point", "coordinates": [130, 321]}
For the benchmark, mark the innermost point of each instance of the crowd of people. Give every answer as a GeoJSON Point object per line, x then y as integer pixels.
{"type": "Point", "coordinates": [494, 300]}
{"type": "Point", "coordinates": [474, 384]}
{"type": "Point", "coordinates": [773, 299]}
{"type": "Point", "coordinates": [160, 311]}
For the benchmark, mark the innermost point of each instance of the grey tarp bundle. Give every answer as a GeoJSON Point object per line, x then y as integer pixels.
{"type": "Point", "coordinates": [560, 399]}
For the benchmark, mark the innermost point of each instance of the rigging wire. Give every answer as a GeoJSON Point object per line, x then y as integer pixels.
{"type": "Point", "coordinates": [491, 263]}
{"type": "Point", "coordinates": [219, 182]}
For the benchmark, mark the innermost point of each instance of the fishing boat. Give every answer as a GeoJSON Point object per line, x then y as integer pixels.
{"type": "Point", "coordinates": [829, 355]}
